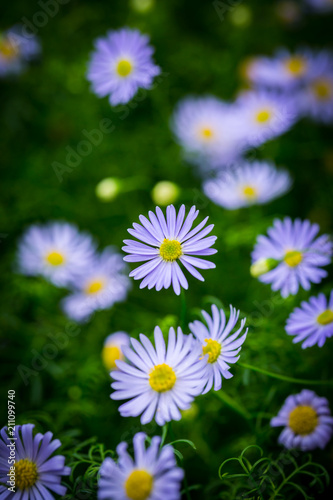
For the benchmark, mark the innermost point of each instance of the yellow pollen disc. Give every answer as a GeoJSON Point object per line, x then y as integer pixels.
{"type": "Point", "coordinates": [7, 49]}
{"type": "Point", "coordinates": [322, 89]}
{"type": "Point", "coordinates": [326, 317]}
{"type": "Point", "coordinates": [303, 420]}
{"type": "Point", "coordinates": [249, 192]}
{"type": "Point", "coordinates": [162, 378]}
{"type": "Point", "coordinates": [94, 287]}
{"type": "Point", "coordinates": [25, 474]}
{"type": "Point", "coordinates": [296, 65]}
{"type": "Point", "coordinates": [55, 258]}
{"type": "Point", "coordinates": [170, 250]}
{"type": "Point", "coordinates": [124, 68]}
{"type": "Point", "coordinates": [110, 355]}
{"type": "Point", "coordinates": [213, 349]}
{"type": "Point", "coordinates": [206, 133]}
{"type": "Point", "coordinates": [139, 484]}
{"type": "Point", "coordinates": [263, 116]}
{"type": "Point", "coordinates": [293, 258]}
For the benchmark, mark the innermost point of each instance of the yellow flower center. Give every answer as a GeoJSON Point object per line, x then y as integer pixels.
{"type": "Point", "coordinates": [206, 133]}
{"type": "Point", "coordinates": [139, 484]}
{"type": "Point", "coordinates": [249, 192]}
{"type": "Point", "coordinates": [110, 355]}
{"type": "Point", "coordinates": [124, 68]}
{"type": "Point", "coordinates": [296, 65]}
{"type": "Point", "coordinates": [162, 378]}
{"type": "Point", "coordinates": [303, 420]}
{"type": "Point", "coordinates": [263, 116]}
{"type": "Point", "coordinates": [293, 258]}
{"type": "Point", "coordinates": [322, 89]}
{"type": "Point", "coordinates": [170, 250]}
{"type": "Point", "coordinates": [55, 258]}
{"type": "Point", "coordinates": [326, 317]}
{"type": "Point", "coordinates": [94, 287]}
{"type": "Point", "coordinates": [213, 349]}
{"type": "Point", "coordinates": [7, 49]}
{"type": "Point", "coordinates": [25, 474]}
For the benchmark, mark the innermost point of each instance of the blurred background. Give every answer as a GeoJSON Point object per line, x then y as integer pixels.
{"type": "Point", "coordinates": [201, 49]}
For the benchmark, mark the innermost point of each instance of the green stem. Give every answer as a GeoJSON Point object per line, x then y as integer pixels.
{"type": "Point", "coordinates": [285, 377]}
{"type": "Point", "coordinates": [183, 309]}
{"type": "Point", "coordinates": [222, 396]}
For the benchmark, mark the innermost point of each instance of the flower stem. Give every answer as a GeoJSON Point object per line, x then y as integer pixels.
{"type": "Point", "coordinates": [237, 407]}
{"type": "Point", "coordinates": [285, 377]}
{"type": "Point", "coordinates": [183, 309]}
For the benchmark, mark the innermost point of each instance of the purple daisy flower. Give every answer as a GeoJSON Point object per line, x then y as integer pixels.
{"type": "Point", "coordinates": [36, 474]}
{"type": "Point", "coordinates": [112, 349]}
{"type": "Point", "coordinates": [167, 241]}
{"type": "Point", "coordinates": [295, 255]}
{"type": "Point", "coordinates": [312, 322]}
{"type": "Point", "coordinates": [248, 184]}
{"type": "Point", "coordinates": [121, 64]}
{"type": "Point", "coordinates": [159, 381]}
{"type": "Point", "coordinates": [16, 49]}
{"type": "Point", "coordinates": [216, 341]}
{"type": "Point", "coordinates": [152, 475]}
{"type": "Point", "coordinates": [307, 421]}
{"type": "Point", "coordinates": [101, 285]}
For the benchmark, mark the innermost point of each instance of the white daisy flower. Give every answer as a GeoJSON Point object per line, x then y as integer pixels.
{"type": "Point", "coordinates": [112, 349]}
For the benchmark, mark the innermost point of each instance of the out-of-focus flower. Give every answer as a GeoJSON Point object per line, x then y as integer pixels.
{"type": "Point", "coordinates": [165, 242]}
{"type": "Point", "coordinates": [265, 115]}
{"type": "Point", "coordinates": [57, 251]}
{"type": "Point", "coordinates": [307, 421]}
{"type": "Point", "coordinates": [16, 50]}
{"type": "Point", "coordinates": [160, 380]}
{"type": "Point", "coordinates": [108, 189]}
{"type": "Point", "coordinates": [37, 474]}
{"type": "Point", "coordinates": [320, 6]}
{"type": "Point", "coordinates": [312, 323]}
{"type": "Point", "coordinates": [300, 255]}
{"type": "Point", "coordinates": [112, 349]}
{"type": "Point", "coordinates": [165, 193]}
{"type": "Point", "coordinates": [102, 284]}
{"type": "Point", "coordinates": [216, 341]}
{"type": "Point", "coordinates": [248, 184]}
{"type": "Point", "coordinates": [153, 474]}
{"type": "Point", "coordinates": [121, 64]}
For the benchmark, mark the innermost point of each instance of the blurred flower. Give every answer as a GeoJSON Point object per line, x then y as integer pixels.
{"type": "Point", "coordinates": [248, 184]}
{"type": "Point", "coordinates": [159, 381]}
{"type": "Point", "coordinates": [300, 255]}
{"type": "Point", "coordinates": [108, 189]}
{"type": "Point", "coordinates": [165, 243]}
{"type": "Point", "coordinates": [102, 284]}
{"type": "Point", "coordinates": [312, 322]}
{"type": "Point", "coordinates": [307, 421]}
{"type": "Point", "coordinates": [16, 49]}
{"type": "Point", "coordinates": [265, 115]}
{"type": "Point", "coordinates": [320, 6]}
{"type": "Point", "coordinates": [165, 193]}
{"type": "Point", "coordinates": [112, 349]}
{"type": "Point", "coordinates": [216, 341]}
{"type": "Point", "coordinates": [121, 64]}
{"type": "Point", "coordinates": [35, 472]}
{"type": "Point", "coordinates": [208, 129]}
{"type": "Point", "coordinates": [153, 474]}
{"type": "Point", "coordinates": [57, 251]}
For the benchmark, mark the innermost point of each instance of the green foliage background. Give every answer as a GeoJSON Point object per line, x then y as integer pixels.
{"type": "Point", "coordinates": [44, 111]}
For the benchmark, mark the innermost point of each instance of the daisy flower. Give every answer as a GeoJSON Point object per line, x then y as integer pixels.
{"type": "Point", "coordinates": [307, 421]}
{"type": "Point", "coordinates": [121, 64]}
{"type": "Point", "coordinates": [167, 242]}
{"type": "Point", "coordinates": [101, 285]}
{"type": "Point", "coordinates": [160, 380]}
{"type": "Point", "coordinates": [152, 475]}
{"type": "Point", "coordinates": [16, 50]}
{"type": "Point", "coordinates": [216, 340]}
{"type": "Point", "coordinates": [112, 349]}
{"type": "Point", "coordinates": [248, 184]}
{"type": "Point", "coordinates": [298, 254]}
{"type": "Point", "coordinates": [265, 115]}
{"type": "Point", "coordinates": [57, 251]}
{"type": "Point", "coordinates": [36, 474]}
{"type": "Point", "coordinates": [208, 130]}
{"type": "Point", "coordinates": [312, 322]}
